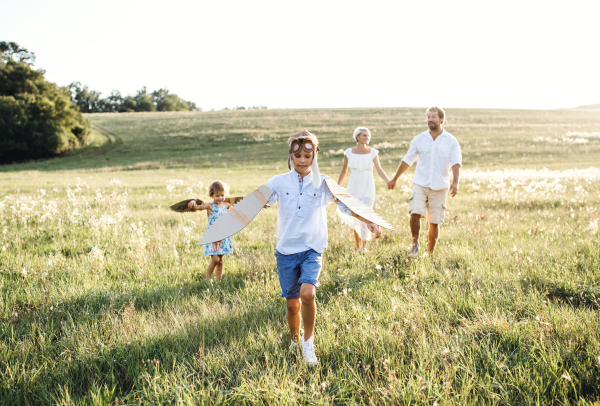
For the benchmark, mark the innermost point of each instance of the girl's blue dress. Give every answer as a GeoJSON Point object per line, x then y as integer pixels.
{"type": "Point", "coordinates": [226, 245]}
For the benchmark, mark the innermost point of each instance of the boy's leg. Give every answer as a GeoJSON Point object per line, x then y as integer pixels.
{"type": "Point", "coordinates": [293, 318]}
{"type": "Point", "coordinates": [309, 308]}
{"type": "Point", "coordinates": [211, 266]}
{"type": "Point", "coordinates": [288, 270]}
{"type": "Point", "coordinates": [219, 267]}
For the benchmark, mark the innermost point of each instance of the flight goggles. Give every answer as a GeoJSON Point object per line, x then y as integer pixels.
{"type": "Point", "coordinates": [302, 144]}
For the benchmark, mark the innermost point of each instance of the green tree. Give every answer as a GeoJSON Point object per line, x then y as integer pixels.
{"type": "Point", "coordinates": [144, 101]}
{"type": "Point", "coordinates": [37, 118]}
{"type": "Point", "coordinates": [170, 102]}
{"type": "Point", "coordinates": [88, 101]}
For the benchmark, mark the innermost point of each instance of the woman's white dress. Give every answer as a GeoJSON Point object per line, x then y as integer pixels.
{"type": "Point", "coordinates": [362, 186]}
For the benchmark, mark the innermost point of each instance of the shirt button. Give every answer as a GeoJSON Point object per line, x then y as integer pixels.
{"type": "Point", "coordinates": [300, 194]}
{"type": "Point", "coordinates": [298, 206]}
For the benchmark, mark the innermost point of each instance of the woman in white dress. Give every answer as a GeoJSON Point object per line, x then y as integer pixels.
{"type": "Point", "coordinates": [361, 159]}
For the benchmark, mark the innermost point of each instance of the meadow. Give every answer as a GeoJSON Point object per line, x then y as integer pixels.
{"type": "Point", "coordinates": [103, 298]}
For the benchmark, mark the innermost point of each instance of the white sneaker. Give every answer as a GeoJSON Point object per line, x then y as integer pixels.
{"type": "Point", "coordinates": [308, 350]}
{"type": "Point", "coordinates": [414, 251]}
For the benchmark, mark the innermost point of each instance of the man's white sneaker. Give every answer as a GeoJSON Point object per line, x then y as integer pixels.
{"type": "Point", "coordinates": [414, 251]}
{"type": "Point", "coordinates": [308, 350]}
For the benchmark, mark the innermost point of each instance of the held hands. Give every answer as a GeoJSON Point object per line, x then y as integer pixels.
{"type": "Point", "coordinates": [453, 189]}
{"type": "Point", "coordinates": [374, 228]}
{"type": "Point", "coordinates": [391, 184]}
{"type": "Point", "coordinates": [192, 204]}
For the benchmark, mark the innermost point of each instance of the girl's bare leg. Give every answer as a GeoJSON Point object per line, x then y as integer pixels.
{"type": "Point", "coordinates": [293, 318]}
{"type": "Point", "coordinates": [213, 263]}
{"type": "Point", "coordinates": [219, 268]}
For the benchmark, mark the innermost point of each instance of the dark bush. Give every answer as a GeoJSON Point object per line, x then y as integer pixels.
{"type": "Point", "coordinates": [37, 118]}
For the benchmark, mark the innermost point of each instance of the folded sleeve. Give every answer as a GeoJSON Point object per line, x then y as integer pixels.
{"type": "Point", "coordinates": [413, 154]}
{"type": "Point", "coordinates": [272, 184]}
{"type": "Point", "coordinates": [455, 154]}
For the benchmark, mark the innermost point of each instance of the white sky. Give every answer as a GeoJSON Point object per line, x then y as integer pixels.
{"type": "Point", "coordinates": [501, 54]}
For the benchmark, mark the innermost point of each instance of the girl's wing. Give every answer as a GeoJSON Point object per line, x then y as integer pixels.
{"type": "Point", "coordinates": [356, 206]}
{"type": "Point", "coordinates": [238, 216]}
{"type": "Point", "coordinates": [182, 206]}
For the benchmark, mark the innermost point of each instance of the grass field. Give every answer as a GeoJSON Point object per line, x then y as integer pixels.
{"type": "Point", "coordinates": [103, 299]}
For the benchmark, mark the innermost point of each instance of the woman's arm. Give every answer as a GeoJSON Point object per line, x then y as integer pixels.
{"type": "Point", "coordinates": [380, 170]}
{"type": "Point", "coordinates": [344, 171]}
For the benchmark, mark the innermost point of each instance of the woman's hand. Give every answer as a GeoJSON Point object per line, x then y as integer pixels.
{"type": "Point", "coordinates": [374, 228]}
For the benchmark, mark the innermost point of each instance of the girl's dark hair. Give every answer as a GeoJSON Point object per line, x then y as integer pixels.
{"type": "Point", "coordinates": [218, 186]}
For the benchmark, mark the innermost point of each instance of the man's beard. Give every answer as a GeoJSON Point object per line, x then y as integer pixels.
{"type": "Point", "coordinates": [433, 126]}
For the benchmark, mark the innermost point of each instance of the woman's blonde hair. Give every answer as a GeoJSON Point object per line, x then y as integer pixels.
{"type": "Point", "coordinates": [218, 186]}
{"type": "Point", "coordinates": [358, 130]}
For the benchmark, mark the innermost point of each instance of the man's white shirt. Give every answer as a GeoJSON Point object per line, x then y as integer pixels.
{"type": "Point", "coordinates": [435, 159]}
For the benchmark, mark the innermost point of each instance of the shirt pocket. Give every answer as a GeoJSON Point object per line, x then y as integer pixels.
{"type": "Point", "coordinates": [313, 199]}
{"type": "Point", "coordinates": [288, 198]}
{"type": "Point", "coordinates": [444, 151]}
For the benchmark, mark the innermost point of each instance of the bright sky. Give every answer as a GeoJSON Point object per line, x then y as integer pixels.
{"type": "Point", "coordinates": [302, 54]}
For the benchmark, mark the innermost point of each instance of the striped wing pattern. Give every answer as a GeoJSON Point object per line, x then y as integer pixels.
{"type": "Point", "coordinates": [355, 205]}
{"type": "Point", "coordinates": [238, 216]}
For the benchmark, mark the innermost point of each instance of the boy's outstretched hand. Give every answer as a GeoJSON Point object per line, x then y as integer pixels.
{"type": "Point", "coordinates": [374, 228]}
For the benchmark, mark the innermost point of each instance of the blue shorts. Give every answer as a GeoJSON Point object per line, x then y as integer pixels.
{"type": "Point", "coordinates": [296, 269]}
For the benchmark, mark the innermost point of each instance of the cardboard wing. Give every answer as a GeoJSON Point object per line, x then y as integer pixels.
{"type": "Point", "coordinates": [238, 216]}
{"type": "Point", "coordinates": [182, 206]}
{"type": "Point", "coordinates": [356, 206]}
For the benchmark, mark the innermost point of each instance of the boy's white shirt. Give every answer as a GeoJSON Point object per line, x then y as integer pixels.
{"type": "Point", "coordinates": [301, 214]}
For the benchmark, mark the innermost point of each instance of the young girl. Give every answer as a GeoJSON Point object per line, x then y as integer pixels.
{"type": "Point", "coordinates": [217, 190]}
{"type": "Point", "coordinates": [361, 159]}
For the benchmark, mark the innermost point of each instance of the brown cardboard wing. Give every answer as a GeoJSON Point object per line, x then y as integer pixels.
{"type": "Point", "coordinates": [238, 216]}
{"type": "Point", "coordinates": [356, 206]}
{"type": "Point", "coordinates": [234, 200]}
{"type": "Point", "coordinates": [182, 206]}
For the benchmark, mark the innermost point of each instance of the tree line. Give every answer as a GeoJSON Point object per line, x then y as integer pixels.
{"type": "Point", "coordinates": [90, 101]}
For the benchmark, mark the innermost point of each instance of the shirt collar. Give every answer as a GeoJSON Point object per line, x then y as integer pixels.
{"type": "Point", "coordinates": [297, 175]}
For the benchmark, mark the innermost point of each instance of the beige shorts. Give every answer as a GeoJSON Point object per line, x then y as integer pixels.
{"type": "Point", "coordinates": [427, 202]}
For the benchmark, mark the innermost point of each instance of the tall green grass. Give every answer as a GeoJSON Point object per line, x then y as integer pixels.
{"type": "Point", "coordinates": [103, 299]}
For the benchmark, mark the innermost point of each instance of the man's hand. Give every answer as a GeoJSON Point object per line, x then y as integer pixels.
{"type": "Point", "coordinates": [374, 228]}
{"type": "Point", "coordinates": [216, 245]}
{"type": "Point", "coordinates": [453, 189]}
{"type": "Point", "coordinates": [391, 184]}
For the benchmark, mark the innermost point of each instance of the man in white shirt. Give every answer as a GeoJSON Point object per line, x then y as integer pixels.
{"type": "Point", "coordinates": [436, 151]}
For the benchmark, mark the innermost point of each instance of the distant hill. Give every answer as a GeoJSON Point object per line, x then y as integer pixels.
{"type": "Point", "coordinates": [588, 107]}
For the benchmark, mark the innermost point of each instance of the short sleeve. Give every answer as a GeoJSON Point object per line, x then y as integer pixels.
{"type": "Point", "coordinates": [348, 152]}
{"type": "Point", "coordinates": [374, 153]}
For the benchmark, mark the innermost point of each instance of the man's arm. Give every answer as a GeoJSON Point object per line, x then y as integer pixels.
{"type": "Point", "coordinates": [455, 177]}
{"type": "Point", "coordinates": [401, 169]}
{"type": "Point", "coordinates": [411, 156]}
